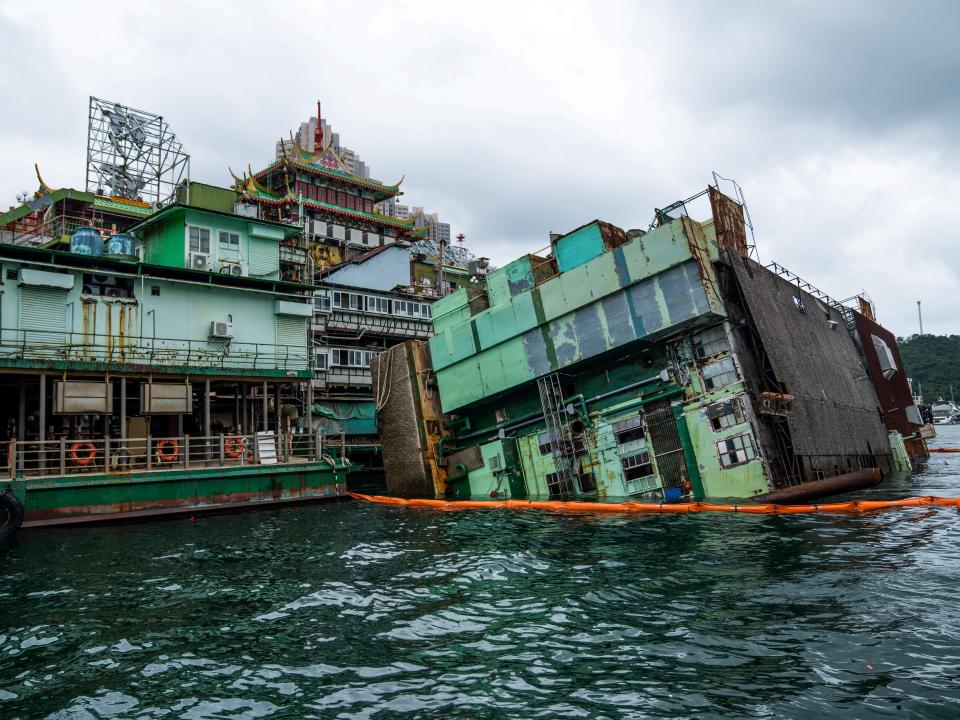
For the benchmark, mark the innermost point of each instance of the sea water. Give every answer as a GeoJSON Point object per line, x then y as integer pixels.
{"type": "Point", "coordinates": [352, 610]}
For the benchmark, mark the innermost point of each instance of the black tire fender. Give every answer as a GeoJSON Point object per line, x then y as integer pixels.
{"type": "Point", "coordinates": [10, 506]}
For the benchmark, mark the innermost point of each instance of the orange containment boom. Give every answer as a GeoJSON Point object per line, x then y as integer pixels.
{"type": "Point", "coordinates": [694, 507]}
{"type": "Point", "coordinates": [945, 450]}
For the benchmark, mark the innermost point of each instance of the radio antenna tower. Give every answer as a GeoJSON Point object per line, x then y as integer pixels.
{"type": "Point", "coordinates": [133, 154]}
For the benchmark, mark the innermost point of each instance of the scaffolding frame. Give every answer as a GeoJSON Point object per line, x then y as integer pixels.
{"type": "Point", "coordinates": [133, 154]}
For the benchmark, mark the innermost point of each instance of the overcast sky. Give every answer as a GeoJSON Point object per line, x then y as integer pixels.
{"type": "Point", "coordinates": [838, 119]}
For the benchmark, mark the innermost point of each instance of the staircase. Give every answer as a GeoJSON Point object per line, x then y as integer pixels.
{"type": "Point", "coordinates": [561, 442]}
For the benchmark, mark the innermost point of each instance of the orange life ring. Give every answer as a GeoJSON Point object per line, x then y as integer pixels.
{"type": "Point", "coordinates": [168, 457]}
{"type": "Point", "coordinates": [79, 459]}
{"type": "Point", "coordinates": [233, 447]}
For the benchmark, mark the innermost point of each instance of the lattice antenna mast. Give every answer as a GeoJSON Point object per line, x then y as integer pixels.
{"type": "Point", "coordinates": [133, 154]}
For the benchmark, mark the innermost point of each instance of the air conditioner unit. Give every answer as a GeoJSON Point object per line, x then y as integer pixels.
{"type": "Point", "coordinates": [221, 329]}
{"type": "Point", "coordinates": [231, 268]}
{"type": "Point", "coordinates": [198, 262]}
{"type": "Point", "coordinates": [103, 279]}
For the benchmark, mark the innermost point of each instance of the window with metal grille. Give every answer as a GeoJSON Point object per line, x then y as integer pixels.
{"type": "Point", "coordinates": [636, 466]}
{"type": "Point", "coordinates": [720, 374]}
{"type": "Point", "coordinates": [736, 450]}
{"type": "Point", "coordinates": [628, 430]}
{"type": "Point", "coordinates": [725, 414]}
{"type": "Point", "coordinates": [543, 441]}
{"type": "Point", "coordinates": [710, 342]}
{"type": "Point", "coordinates": [553, 483]}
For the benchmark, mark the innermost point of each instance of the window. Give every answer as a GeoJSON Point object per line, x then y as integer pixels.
{"type": "Point", "coordinates": [736, 450]}
{"type": "Point", "coordinates": [321, 361]}
{"type": "Point", "coordinates": [720, 374]}
{"type": "Point", "coordinates": [199, 240]}
{"type": "Point", "coordinates": [229, 241]}
{"type": "Point", "coordinates": [346, 301]}
{"type": "Point", "coordinates": [636, 466]}
{"type": "Point", "coordinates": [725, 414]}
{"type": "Point", "coordinates": [553, 484]}
{"type": "Point", "coordinates": [329, 230]}
{"type": "Point", "coordinates": [322, 302]}
{"type": "Point", "coordinates": [710, 342]}
{"type": "Point", "coordinates": [587, 483]}
{"type": "Point", "coordinates": [543, 441]}
{"type": "Point", "coordinates": [365, 240]}
{"type": "Point", "coordinates": [629, 430]}
{"type": "Point", "coordinates": [154, 290]}
{"type": "Point", "coordinates": [378, 304]}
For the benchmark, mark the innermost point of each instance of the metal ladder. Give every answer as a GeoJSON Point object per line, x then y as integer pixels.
{"type": "Point", "coordinates": [561, 444]}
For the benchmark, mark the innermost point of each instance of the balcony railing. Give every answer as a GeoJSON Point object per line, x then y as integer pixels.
{"type": "Point", "coordinates": [20, 344]}
{"type": "Point", "coordinates": [53, 458]}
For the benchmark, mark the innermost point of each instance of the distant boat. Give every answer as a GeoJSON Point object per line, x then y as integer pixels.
{"type": "Point", "coordinates": [945, 413]}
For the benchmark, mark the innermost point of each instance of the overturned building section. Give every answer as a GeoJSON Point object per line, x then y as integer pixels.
{"type": "Point", "coordinates": [662, 363]}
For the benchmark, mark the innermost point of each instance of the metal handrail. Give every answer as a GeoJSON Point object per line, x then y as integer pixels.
{"type": "Point", "coordinates": [25, 343]}
{"type": "Point", "coordinates": [64, 456]}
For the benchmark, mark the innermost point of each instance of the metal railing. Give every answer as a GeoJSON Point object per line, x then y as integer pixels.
{"type": "Point", "coordinates": [51, 458]}
{"type": "Point", "coordinates": [26, 344]}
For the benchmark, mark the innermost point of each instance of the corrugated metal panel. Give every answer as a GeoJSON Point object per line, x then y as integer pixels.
{"type": "Point", "coordinates": [292, 340]}
{"type": "Point", "coordinates": [43, 309]}
{"type": "Point", "coordinates": [264, 257]}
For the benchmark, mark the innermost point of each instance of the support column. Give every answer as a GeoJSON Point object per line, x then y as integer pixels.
{"type": "Point", "coordinates": [42, 435]}
{"type": "Point", "coordinates": [206, 418]}
{"type": "Point", "coordinates": [22, 412]}
{"type": "Point", "coordinates": [245, 423]}
{"type": "Point", "coordinates": [309, 416]}
{"type": "Point", "coordinates": [276, 408]}
{"type": "Point", "coordinates": [206, 408]}
{"type": "Point", "coordinates": [236, 406]}
{"type": "Point", "coordinates": [123, 408]}
{"type": "Point", "coordinates": [266, 407]}
{"type": "Point", "coordinates": [123, 421]}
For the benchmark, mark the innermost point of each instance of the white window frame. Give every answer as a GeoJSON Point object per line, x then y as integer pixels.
{"type": "Point", "coordinates": [190, 250]}
{"type": "Point", "coordinates": [736, 450]}
{"type": "Point", "coordinates": [230, 247]}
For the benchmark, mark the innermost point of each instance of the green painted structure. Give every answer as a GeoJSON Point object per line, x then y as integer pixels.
{"type": "Point", "coordinates": [650, 364]}
{"type": "Point", "coordinates": [192, 362]}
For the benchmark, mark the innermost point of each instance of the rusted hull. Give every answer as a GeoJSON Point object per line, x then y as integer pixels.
{"type": "Point", "coordinates": [126, 496]}
{"type": "Point", "coordinates": [847, 482]}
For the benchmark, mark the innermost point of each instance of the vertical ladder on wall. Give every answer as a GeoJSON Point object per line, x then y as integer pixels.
{"type": "Point", "coordinates": [561, 444]}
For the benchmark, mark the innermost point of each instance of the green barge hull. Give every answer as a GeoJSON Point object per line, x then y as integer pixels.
{"type": "Point", "coordinates": [101, 497]}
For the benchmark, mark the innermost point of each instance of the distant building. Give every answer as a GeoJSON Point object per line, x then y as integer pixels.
{"type": "Point", "coordinates": [305, 137]}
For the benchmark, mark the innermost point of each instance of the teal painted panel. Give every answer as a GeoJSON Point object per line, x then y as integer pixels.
{"type": "Point", "coordinates": [497, 288]}
{"type": "Point", "coordinates": [579, 247]}
{"type": "Point", "coordinates": [451, 318]}
{"type": "Point", "coordinates": [519, 275]}
{"type": "Point", "coordinates": [551, 295]}
{"type": "Point", "coordinates": [459, 385]}
{"type": "Point", "coordinates": [656, 251]}
{"type": "Point", "coordinates": [602, 275]}
{"type": "Point", "coordinates": [524, 312]}
{"type": "Point", "coordinates": [576, 287]}
{"type": "Point", "coordinates": [484, 325]}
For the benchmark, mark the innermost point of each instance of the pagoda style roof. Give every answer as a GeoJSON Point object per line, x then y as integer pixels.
{"type": "Point", "coordinates": [317, 170]}
{"type": "Point", "coordinates": [251, 189]}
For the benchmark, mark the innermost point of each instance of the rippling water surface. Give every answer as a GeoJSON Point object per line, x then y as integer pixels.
{"type": "Point", "coordinates": [361, 611]}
